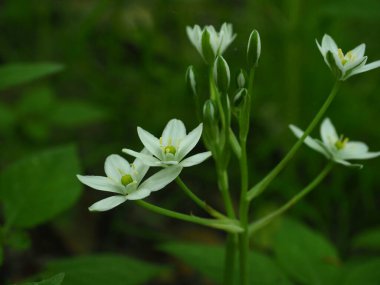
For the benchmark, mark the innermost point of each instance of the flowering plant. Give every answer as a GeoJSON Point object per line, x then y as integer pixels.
{"type": "Point", "coordinates": [169, 152]}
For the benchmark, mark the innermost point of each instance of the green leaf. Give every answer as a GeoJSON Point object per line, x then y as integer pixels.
{"type": "Point", "coordinates": [76, 113]}
{"type": "Point", "coordinates": [306, 255]}
{"type": "Point", "coordinates": [16, 74]}
{"type": "Point", "coordinates": [37, 188]}
{"type": "Point", "coordinates": [209, 260]}
{"type": "Point", "coordinates": [55, 280]}
{"type": "Point", "coordinates": [104, 269]}
{"type": "Point", "coordinates": [369, 239]}
{"type": "Point", "coordinates": [367, 273]}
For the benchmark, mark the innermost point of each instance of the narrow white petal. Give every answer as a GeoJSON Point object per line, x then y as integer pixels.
{"type": "Point", "coordinates": [321, 49]}
{"type": "Point", "coordinates": [100, 183]}
{"type": "Point", "coordinates": [329, 44]}
{"type": "Point", "coordinates": [309, 141]}
{"type": "Point", "coordinates": [115, 165]}
{"type": "Point", "coordinates": [108, 203]}
{"type": "Point", "coordinates": [352, 149]}
{"type": "Point", "coordinates": [145, 158]}
{"type": "Point", "coordinates": [189, 142]}
{"type": "Point", "coordinates": [161, 178]}
{"type": "Point", "coordinates": [346, 163]}
{"type": "Point", "coordinates": [367, 67]}
{"type": "Point", "coordinates": [139, 194]}
{"type": "Point", "coordinates": [195, 159]}
{"type": "Point", "coordinates": [359, 51]}
{"type": "Point", "coordinates": [150, 142]}
{"type": "Point", "coordinates": [139, 168]}
{"type": "Point", "coordinates": [174, 131]}
{"type": "Point", "coordinates": [328, 133]}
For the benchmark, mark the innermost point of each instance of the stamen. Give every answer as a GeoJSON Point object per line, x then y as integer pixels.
{"type": "Point", "coordinates": [170, 149]}
{"type": "Point", "coordinates": [341, 143]}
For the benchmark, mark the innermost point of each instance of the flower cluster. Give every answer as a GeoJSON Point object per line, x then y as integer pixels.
{"type": "Point", "coordinates": [334, 147]}
{"type": "Point", "coordinates": [126, 180]}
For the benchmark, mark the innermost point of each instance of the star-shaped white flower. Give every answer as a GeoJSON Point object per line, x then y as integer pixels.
{"type": "Point", "coordinates": [125, 180]}
{"type": "Point", "coordinates": [172, 147]}
{"type": "Point", "coordinates": [219, 41]}
{"type": "Point", "coordinates": [349, 64]}
{"type": "Point", "coordinates": [338, 149]}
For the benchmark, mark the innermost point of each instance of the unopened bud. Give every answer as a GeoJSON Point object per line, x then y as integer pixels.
{"type": "Point", "coordinates": [190, 80]}
{"type": "Point", "coordinates": [207, 51]}
{"type": "Point", "coordinates": [222, 74]}
{"type": "Point", "coordinates": [253, 49]}
{"type": "Point", "coordinates": [241, 79]}
{"type": "Point", "coordinates": [240, 98]}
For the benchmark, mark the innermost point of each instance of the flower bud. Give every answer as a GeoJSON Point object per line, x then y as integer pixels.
{"type": "Point", "coordinates": [190, 80]}
{"type": "Point", "coordinates": [253, 49]}
{"type": "Point", "coordinates": [207, 50]}
{"type": "Point", "coordinates": [210, 125]}
{"type": "Point", "coordinates": [241, 79]}
{"type": "Point", "coordinates": [239, 98]}
{"type": "Point", "coordinates": [222, 74]}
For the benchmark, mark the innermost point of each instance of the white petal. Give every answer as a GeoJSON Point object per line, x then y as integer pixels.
{"type": "Point", "coordinates": [195, 159]}
{"type": "Point", "coordinates": [108, 203]}
{"type": "Point", "coordinates": [145, 158]}
{"type": "Point", "coordinates": [367, 67]}
{"type": "Point", "coordinates": [189, 142]}
{"type": "Point", "coordinates": [328, 133]}
{"type": "Point", "coordinates": [329, 44]}
{"type": "Point", "coordinates": [356, 150]}
{"type": "Point", "coordinates": [309, 141]}
{"type": "Point", "coordinates": [161, 178]}
{"type": "Point", "coordinates": [359, 51]}
{"type": "Point", "coordinates": [346, 163]}
{"type": "Point", "coordinates": [100, 183]}
{"type": "Point", "coordinates": [115, 165]}
{"type": "Point", "coordinates": [139, 194]}
{"type": "Point", "coordinates": [150, 142]}
{"type": "Point", "coordinates": [174, 132]}
{"type": "Point", "coordinates": [321, 49]}
{"type": "Point", "coordinates": [139, 168]}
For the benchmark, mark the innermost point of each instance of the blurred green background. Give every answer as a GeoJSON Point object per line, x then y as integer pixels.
{"type": "Point", "coordinates": [123, 66]}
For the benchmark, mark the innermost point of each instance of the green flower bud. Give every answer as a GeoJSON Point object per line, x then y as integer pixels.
{"type": "Point", "coordinates": [241, 79]}
{"type": "Point", "coordinates": [210, 125]}
{"type": "Point", "coordinates": [222, 74]}
{"type": "Point", "coordinates": [239, 98]}
{"type": "Point", "coordinates": [253, 49]}
{"type": "Point", "coordinates": [190, 80]}
{"type": "Point", "coordinates": [207, 50]}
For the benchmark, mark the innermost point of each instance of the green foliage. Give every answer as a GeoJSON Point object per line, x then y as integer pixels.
{"type": "Point", "coordinates": [366, 273]}
{"type": "Point", "coordinates": [369, 239]}
{"type": "Point", "coordinates": [208, 259]}
{"type": "Point", "coordinates": [104, 269]}
{"type": "Point", "coordinates": [16, 74]}
{"type": "Point", "coordinates": [37, 188]}
{"type": "Point", "coordinates": [306, 255]}
{"type": "Point", "coordinates": [55, 280]}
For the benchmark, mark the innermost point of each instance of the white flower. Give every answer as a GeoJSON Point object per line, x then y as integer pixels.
{"type": "Point", "coordinates": [349, 64]}
{"type": "Point", "coordinates": [124, 180]}
{"type": "Point", "coordinates": [219, 41]}
{"type": "Point", "coordinates": [171, 147]}
{"type": "Point", "coordinates": [338, 149]}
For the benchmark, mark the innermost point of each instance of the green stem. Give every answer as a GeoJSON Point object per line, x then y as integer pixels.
{"type": "Point", "coordinates": [263, 184]}
{"type": "Point", "coordinates": [198, 201]}
{"type": "Point", "coordinates": [244, 211]}
{"type": "Point", "coordinates": [227, 225]}
{"type": "Point", "coordinates": [264, 221]}
{"type": "Point", "coordinates": [230, 260]}
{"type": "Point", "coordinates": [223, 186]}
{"type": "Point", "coordinates": [234, 144]}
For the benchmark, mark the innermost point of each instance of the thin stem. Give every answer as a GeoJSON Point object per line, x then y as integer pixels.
{"type": "Point", "coordinates": [244, 211]}
{"type": "Point", "coordinates": [263, 184]}
{"type": "Point", "coordinates": [223, 186]}
{"type": "Point", "coordinates": [227, 225]}
{"type": "Point", "coordinates": [230, 260]}
{"type": "Point", "coordinates": [267, 219]}
{"type": "Point", "coordinates": [198, 201]}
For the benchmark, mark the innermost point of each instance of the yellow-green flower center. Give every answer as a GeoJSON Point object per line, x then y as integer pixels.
{"type": "Point", "coordinates": [126, 179]}
{"type": "Point", "coordinates": [344, 58]}
{"type": "Point", "coordinates": [341, 143]}
{"type": "Point", "coordinates": [170, 149]}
